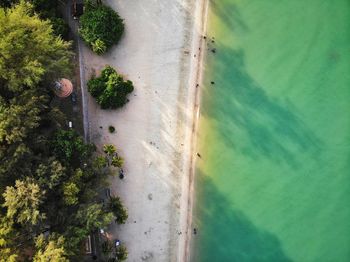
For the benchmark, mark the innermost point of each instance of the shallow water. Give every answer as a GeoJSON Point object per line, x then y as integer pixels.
{"type": "Point", "coordinates": [273, 183]}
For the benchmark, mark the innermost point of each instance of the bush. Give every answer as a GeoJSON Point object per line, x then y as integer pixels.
{"type": "Point", "coordinates": [99, 47]}
{"type": "Point", "coordinates": [111, 129]}
{"type": "Point", "coordinates": [107, 247]}
{"type": "Point", "coordinates": [118, 210]}
{"type": "Point", "coordinates": [69, 147]}
{"type": "Point", "coordinates": [110, 89]}
{"type": "Point", "coordinates": [121, 253]}
{"type": "Point", "coordinates": [100, 28]}
{"type": "Point", "coordinates": [60, 27]}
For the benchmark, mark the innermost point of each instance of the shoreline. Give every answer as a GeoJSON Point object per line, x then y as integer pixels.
{"type": "Point", "coordinates": [197, 81]}
{"type": "Point", "coordinates": [156, 130]}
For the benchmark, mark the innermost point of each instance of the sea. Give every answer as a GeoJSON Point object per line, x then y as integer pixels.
{"type": "Point", "coordinates": [273, 177]}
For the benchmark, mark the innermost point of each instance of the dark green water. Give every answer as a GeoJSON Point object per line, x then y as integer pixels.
{"type": "Point", "coordinates": [273, 183]}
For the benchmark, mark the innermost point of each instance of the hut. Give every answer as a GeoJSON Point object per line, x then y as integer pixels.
{"type": "Point", "coordinates": [63, 88]}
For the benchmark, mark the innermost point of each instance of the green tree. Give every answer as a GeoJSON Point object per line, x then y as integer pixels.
{"type": "Point", "coordinates": [121, 253]}
{"type": "Point", "coordinates": [8, 252]}
{"type": "Point", "coordinates": [70, 147]}
{"type": "Point", "coordinates": [117, 161]}
{"type": "Point", "coordinates": [29, 52]}
{"type": "Point", "coordinates": [100, 162]}
{"type": "Point", "coordinates": [22, 202]}
{"type": "Point", "coordinates": [109, 149]}
{"type": "Point", "coordinates": [107, 247]}
{"type": "Point", "coordinates": [51, 250]}
{"type": "Point", "coordinates": [17, 120]}
{"type": "Point", "coordinates": [100, 27]}
{"type": "Point", "coordinates": [50, 174]}
{"type": "Point", "coordinates": [99, 47]}
{"type": "Point", "coordinates": [93, 216]}
{"type": "Point", "coordinates": [70, 193]}
{"type": "Point", "coordinates": [117, 208]}
{"type": "Point", "coordinates": [96, 86]}
{"type": "Point", "coordinates": [110, 89]}
{"type": "Point", "coordinates": [60, 27]}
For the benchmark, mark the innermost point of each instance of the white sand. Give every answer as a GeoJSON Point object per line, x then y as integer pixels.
{"type": "Point", "coordinates": [154, 131]}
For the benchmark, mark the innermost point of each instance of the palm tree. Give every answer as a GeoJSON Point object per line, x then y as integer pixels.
{"type": "Point", "coordinates": [117, 161]}
{"type": "Point", "coordinates": [109, 149]}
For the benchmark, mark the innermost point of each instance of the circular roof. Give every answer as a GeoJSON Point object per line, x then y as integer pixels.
{"type": "Point", "coordinates": [63, 88]}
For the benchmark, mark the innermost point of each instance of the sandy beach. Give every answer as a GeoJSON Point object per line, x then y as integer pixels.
{"type": "Point", "coordinates": [160, 53]}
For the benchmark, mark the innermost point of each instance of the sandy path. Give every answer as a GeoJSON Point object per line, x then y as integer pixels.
{"type": "Point", "coordinates": [159, 53]}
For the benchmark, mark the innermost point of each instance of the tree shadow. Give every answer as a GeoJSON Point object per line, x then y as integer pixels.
{"type": "Point", "coordinates": [226, 234]}
{"type": "Point", "coordinates": [272, 128]}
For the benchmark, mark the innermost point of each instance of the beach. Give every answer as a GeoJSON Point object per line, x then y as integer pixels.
{"type": "Point", "coordinates": [160, 53]}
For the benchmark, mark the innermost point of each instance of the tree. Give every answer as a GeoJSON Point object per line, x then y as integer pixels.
{"type": "Point", "coordinates": [121, 253]}
{"type": "Point", "coordinates": [117, 161]}
{"type": "Point", "coordinates": [48, 179]}
{"type": "Point", "coordinates": [51, 250]}
{"type": "Point", "coordinates": [29, 52]}
{"type": "Point", "coordinates": [110, 89]}
{"type": "Point", "coordinates": [8, 252]}
{"type": "Point", "coordinates": [18, 120]}
{"type": "Point", "coordinates": [93, 216]}
{"type": "Point", "coordinates": [70, 147]}
{"type": "Point", "coordinates": [60, 27]}
{"type": "Point", "coordinates": [119, 211]}
{"type": "Point", "coordinates": [109, 149]}
{"type": "Point", "coordinates": [23, 201]}
{"type": "Point", "coordinates": [96, 86]}
{"type": "Point", "coordinates": [100, 27]}
{"type": "Point", "coordinates": [107, 247]}
{"type": "Point", "coordinates": [50, 174]}
{"type": "Point", "coordinates": [100, 162]}
{"type": "Point", "coordinates": [112, 158]}
{"type": "Point", "coordinates": [70, 193]}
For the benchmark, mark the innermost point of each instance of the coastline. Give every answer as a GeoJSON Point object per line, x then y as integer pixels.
{"type": "Point", "coordinates": [196, 81]}
{"type": "Point", "coordinates": [156, 134]}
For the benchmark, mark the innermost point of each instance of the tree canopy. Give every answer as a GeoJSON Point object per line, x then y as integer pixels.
{"type": "Point", "coordinates": [48, 178]}
{"type": "Point", "coordinates": [100, 27]}
{"type": "Point", "coordinates": [29, 52]}
{"type": "Point", "coordinates": [110, 89]}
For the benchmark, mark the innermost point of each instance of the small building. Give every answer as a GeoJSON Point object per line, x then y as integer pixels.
{"type": "Point", "coordinates": [63, 88]}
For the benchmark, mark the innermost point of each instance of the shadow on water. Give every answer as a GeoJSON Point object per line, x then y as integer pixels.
{"type": "Point", "coordinates": [272, 127]}
{"type": "Point", "coordinates": [230, 14]}
{"type": "Point", "coordinates": [229, 235]}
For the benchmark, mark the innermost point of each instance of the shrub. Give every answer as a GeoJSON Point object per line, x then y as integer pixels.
{"type": "Point", "coordinates": [110, 89]}
{"type": "Point", "coordinates": [121, 253]}
{"type": "Point", "coordinates": [111, 129]}
{"type": "Point", "coordinates": [96, 86]}
{"type": "Point", "coordinates": [101, 27]}
{"type": "Point", "coordinates": [69, 147]}
{"type": "Point", "coordinates": [107, 247]}
{"type": "Point", "coordinates": [60, 27]}
{"type": "Point", "coordinates": [99, 47]}
{"type": "Point", "coordinates": [119, 211]}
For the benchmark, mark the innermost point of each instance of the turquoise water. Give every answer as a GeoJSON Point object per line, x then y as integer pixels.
{"type": "Point", "coordinates": [273, 183]}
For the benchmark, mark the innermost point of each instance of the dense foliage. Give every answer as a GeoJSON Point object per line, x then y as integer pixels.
{"type": "Point", "coordinates": [118, 209]}
{"type": "Point", "coordinates": [100, 27]}
{"type": "Point", "coordinates": [49, 182]}
{"type": "Point", "coordinates": [46, 9]}
{"type": "Point", "coordinates": [114, 253]}
{"type": "Point", "coordinates": [110, 89]}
